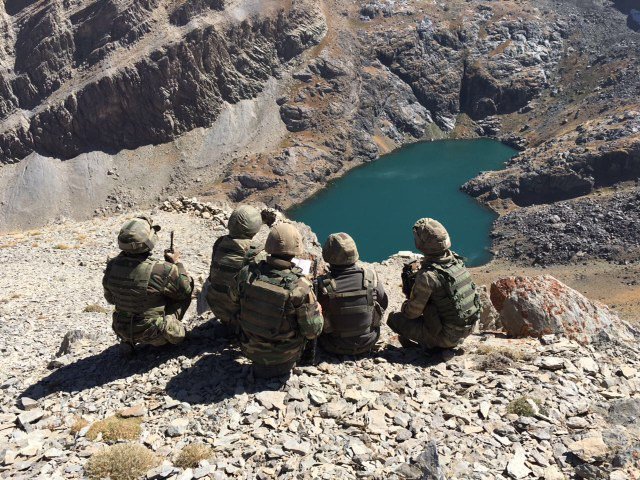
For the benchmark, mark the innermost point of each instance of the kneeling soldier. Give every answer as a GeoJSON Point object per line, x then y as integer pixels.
{"type": "Point", "coordinates": [278, 309]}
{"type": "Point", "coordinates": [230, 253]}
{"type": "Point", "coordinates": [150, 296]}
{"type": "Point", "coordinates": [352, 299]}
{"type": "Point", "coordinates": [443, 304]}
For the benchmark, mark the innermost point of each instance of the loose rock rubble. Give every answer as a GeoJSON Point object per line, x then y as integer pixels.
{"type": "Point", "coordinates": [396, 414]}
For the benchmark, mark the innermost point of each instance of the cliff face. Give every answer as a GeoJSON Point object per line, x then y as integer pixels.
{"type": "Point", "coordinates": [268, 101]}
{"type": "Point", "coordinates": [109, 74]}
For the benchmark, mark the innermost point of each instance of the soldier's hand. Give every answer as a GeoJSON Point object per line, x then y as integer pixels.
{"type": "Point", "coordinates": [269, 216]}
{"type": "Point", "coordinates": [172, 257]}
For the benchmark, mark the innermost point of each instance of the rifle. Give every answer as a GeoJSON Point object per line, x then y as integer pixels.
{"type": "Point", "coordinates": [171, 242]}
{"type": "Point", "coordinates": [308, 356]}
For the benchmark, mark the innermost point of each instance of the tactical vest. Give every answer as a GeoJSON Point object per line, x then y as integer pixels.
{"type": "Point", "coordinates": [265, 309]}
{"type": "Point", "coordinates": [457, 300]}
{"type": "Point", "coordinates": [127, 279]}
{"type": "Point", "coordinates": [351, 313]}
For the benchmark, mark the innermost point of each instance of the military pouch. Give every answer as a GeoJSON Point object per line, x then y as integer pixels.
{"type": "Point", "coordinates": [309, 322]}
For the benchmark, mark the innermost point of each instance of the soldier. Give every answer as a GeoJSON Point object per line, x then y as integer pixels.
{"type": "Point", "coordinates": [231, 253]}
{"type": "Point", "coordinates": [278, 309]}
{"type": "Point", "coordinates": [443, 305]}
{"type": "Point", "coordinates": [150, 296]}
{"type": "Point", "coordinates": [353, 300]}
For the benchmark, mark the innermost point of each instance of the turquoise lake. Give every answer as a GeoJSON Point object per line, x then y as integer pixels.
{"type": "Point", "coordinates": [378, 203]}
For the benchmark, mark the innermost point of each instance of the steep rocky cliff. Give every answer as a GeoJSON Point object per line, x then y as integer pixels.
{"type": "Point", "coordinates": [108, 74]}
{"type": "Point", "coordinates": [267, 101]}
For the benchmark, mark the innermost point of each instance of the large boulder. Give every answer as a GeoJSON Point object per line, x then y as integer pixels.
{"type": "Point", "coordinates": [536, 306]}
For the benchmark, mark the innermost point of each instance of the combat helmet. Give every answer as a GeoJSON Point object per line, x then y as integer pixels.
{"type": "Point", "coordinates": [138, 235]}
{"type": "Point", "coordinates": [244, 222]}
{"type": "Point", "coordinates": [431, 237]}
{"type": "Point", "coordinates": [284, 240]}
{"type": "Point", "coordinates": [340, 250]}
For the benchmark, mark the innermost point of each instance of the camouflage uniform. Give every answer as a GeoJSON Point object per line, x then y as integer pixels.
{"type": "Point", "coordinates": [278, 310]}
{"type": "Point", "coordinates": [443, 305]}
{"type": "Point", "coordinates": [231, 253]}
{"type": "Point", "coordinates": [352, 299]}
{"type": "Point", "coordinates": [150, 296]}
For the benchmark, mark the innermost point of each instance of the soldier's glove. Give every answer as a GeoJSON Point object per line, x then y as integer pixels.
{"type": "Point", "coordinates": [409, 272]}
{"type": "Point", "coordinates": [172, 257]}
{"type": "Point", "coordinates": [269, 216]}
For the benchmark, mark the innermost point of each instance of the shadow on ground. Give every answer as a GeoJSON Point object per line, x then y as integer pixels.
{"type": "Point", "coordinates": [112, 364]}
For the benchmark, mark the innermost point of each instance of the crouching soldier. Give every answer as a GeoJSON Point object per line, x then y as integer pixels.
{"type": "Point", "coordinates": [150, 296]}
{"type": "Point", "coordinates": [353, 300]}
{"type": "Point", "coordinates": [278, 309]}
{"type": "Point", "coordinates": [443, 304]}
{"type": "Point", "coordinates": [230, 253]}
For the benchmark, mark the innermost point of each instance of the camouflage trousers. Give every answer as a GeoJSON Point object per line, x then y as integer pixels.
{"type": "Point", "coordinates": [349, 345]}
{"type": "Point", "coordinates": [155, 331]}
{"type": "Point", "coordinates": [428, 329]}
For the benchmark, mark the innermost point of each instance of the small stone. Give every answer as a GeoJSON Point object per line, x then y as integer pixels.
{"type": "Point", "coordinates": [177, 427]}
{"type": "Point", "coordinates": [401, 419]}
{"type": "Point", "coordinates": [317, 398]}
{"type": "Point", "coordinates": [8, 456]}
{"type": "Point", "coordinates": [588, 365]}
{"type": "Point", "coordinates": [271, 400]}
{"type": "Point", "coordinates": [133, 411]}
{"type": "Point", "coordinates": [552, 472]}
{"type": "Point", "coordinates": [577, 423]}
{"type": "Point", "coordinates": [27, 418]}
{"type": "Point", "coordinates": [550, 363]}
{"type": "Point", "coordinates": [376, 421]}
{"type": "Point", "coordinates": [590, 449]}
{"type": "Point", "coordinates": [484, 409]}
{"type": "Point", "coordinates": [301, 448]}
{"type": "Point", "coordinates": [53, 453]}
{"type": "Point", "coordinates": [516, 468]}
{"type": "Point", "coordinates": [627, 372]}
{"type": "Point", "coordinates": [27, 403]}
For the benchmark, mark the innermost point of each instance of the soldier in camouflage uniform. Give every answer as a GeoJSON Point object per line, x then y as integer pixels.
{"type": "Point", "coordinates": [150, 296]}
{"type": "Point", "coordinates": [231, 253]}
{"type": "Point", "coordinates": [278, 309]}
{"type": "Point", "coordinates": [352, 299]}
{"type": "Point", "coordinates": [443, 304]}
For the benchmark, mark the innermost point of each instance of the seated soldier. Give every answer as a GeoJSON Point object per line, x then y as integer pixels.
{"type": "Point", "coordinates": [443, 305]}
{"type": "Point", "coordinates": [353, 300]}
{"type": "Point", "coordinates": [279, 313]}
{"type": "Point", "coordinates": [230, 253]}
{"type": "Point", "coordinates": [150, 296]}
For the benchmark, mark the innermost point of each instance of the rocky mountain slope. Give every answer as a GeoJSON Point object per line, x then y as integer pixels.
{"type": "Point", "coordinates": [267, 101]}
{"type": "Point", "coordinates": [500, 408]}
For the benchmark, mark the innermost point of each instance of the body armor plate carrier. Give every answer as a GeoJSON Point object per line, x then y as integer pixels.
{"type": "Point", "coordinates": [354, 312]}
{"type": "Point", "coordinates": [457, 300]}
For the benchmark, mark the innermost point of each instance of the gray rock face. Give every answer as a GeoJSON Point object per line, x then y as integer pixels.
{"type": "Point", "coordinates": [151, 98]}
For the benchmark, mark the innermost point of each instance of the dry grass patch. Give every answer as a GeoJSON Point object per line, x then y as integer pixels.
{"type": "Point", "coordinates": [62, 246]}
{"type": "Point", "coordinates": [494, 361]}
{"type": "Point", "coordinates": [78, 424]}
{"type": "Point", "coordinates": [126, 461]}
{"type": "Point", "coordinates": [116, 428]}
{"type": "Point", "coordinates": [192, 455]}
{"type": "Point", "coordinates": [94, 308]}
{"type": "Point", "coordinates": [510, 353]}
